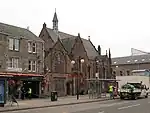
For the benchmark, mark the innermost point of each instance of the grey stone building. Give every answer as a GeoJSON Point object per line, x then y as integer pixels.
{"type": "Point", "coordinates": [123, 66]}
{"type": "Point", "coordinates": [21, 55]}
{"type": "Point", "coordinates": [66, 55]}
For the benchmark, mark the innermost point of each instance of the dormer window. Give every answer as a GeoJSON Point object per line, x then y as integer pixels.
{"type": "Point", "coordinates": [143, 59]}
{"type": "Point", "coordinates": [115, 62]}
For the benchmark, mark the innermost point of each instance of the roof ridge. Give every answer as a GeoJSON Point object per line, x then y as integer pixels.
{"type": "Point", "coordinates": [14, 26]}
{"type": "Point", "coordinates": [131, 56]}
{"type": "Point", "coordinates": [93, 46]}
{"type": "Point", "coordinates": [67, 34]}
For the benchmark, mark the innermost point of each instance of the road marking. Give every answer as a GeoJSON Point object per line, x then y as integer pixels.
{"type": "Point", "coordinates": [128, 106]}
{"type": "Point", "coordinates": [21, 110]}
{"type": "Point", "coordinates": [101, 112]}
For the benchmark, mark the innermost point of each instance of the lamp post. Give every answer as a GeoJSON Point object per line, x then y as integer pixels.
{"type": "Point", "coordinates": [80, 61]}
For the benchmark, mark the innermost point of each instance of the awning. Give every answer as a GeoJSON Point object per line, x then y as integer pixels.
{"type": "Point", "coordinates": [20, 74]}
{"type": "Point", "coordinates": [94, 79]}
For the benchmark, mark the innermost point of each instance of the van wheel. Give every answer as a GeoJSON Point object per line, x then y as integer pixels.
{"type": "Point", "coordinates": [134, 97]}
{"type": "Point", "coordinates": [121, 97]}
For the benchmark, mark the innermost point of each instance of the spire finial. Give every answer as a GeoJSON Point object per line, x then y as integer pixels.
{"type": "Point", "coordinates": [55, 10]}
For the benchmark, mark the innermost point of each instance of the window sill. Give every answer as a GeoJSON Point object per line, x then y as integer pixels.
{"type": "Point", "coordinates": [31, 71]}
{"type": "Point", "coordinates": [14, 50]}
{"type": "Point", "coordinates": [32, 52]}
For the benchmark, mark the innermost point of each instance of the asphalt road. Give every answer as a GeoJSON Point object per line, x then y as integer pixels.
{"type": "Point", "coordinates": [111, 106]}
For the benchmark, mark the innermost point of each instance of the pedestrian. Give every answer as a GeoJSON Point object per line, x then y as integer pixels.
{"type": "Point", "coordinates": [23, 93]}
{"type": "Point", "coordinates": [111, 92]}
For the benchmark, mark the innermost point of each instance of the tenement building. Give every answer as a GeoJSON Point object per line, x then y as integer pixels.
{"type": "Point", "coordinates": [21, 58]}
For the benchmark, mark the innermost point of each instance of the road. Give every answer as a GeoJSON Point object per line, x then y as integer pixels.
{"type": "Point", "coordinates": [111, 106]}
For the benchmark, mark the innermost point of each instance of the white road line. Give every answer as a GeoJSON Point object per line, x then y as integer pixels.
{"type": "Point", "coordinates": [128, 106]}
{"type": "Point", "coordinates": [101, 112]}
{"type": "Point", "coordinates": [21, 110]}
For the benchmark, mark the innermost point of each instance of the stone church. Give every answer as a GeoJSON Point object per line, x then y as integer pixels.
{"type": "Point", "coordinates": [69, 58]}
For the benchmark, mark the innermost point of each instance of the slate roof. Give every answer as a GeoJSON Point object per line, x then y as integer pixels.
{"type": "Point", "coordinates": [68, 43]}
{"type": "Point", "coordinates": [69, 40]}
{"type": "Point", "coordinates": [18, 32]}
{"type": "Point", "coordinates": [91, 51]}
{"type": "Point", "coordinates": [131, 59]}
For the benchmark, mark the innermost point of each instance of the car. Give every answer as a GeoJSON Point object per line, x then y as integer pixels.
{"type": "Point", "coordinates": [133, 91]}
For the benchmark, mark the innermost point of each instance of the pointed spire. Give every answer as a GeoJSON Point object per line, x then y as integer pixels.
{"type": "Point", "coordinates": [106, 52]}
{"type": "Point", "coordinates": [55, 19]}
{"type": "Point", "coordinates": [55, 22]}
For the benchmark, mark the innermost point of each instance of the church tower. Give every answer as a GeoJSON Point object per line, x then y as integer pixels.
{"type": "Point", "coordinates": [55, 22]}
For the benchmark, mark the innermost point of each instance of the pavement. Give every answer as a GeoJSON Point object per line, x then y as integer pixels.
{"type": "Point", "coordinates": [110, 106]}
{"type": "Point", "coordinates": [43, 103]}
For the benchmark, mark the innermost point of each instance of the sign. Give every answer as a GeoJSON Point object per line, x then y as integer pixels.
{"type": "Point", "coordinates": [14, 69]}
{"type": "Point", "coordinates": [2, 94]}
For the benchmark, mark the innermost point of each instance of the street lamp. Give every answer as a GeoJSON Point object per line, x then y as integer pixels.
{"type": "Point", "coordinates": [80, 61]}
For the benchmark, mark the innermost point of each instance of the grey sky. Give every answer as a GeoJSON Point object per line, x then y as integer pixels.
{"type": "Point", "coordinates": [116, 24]}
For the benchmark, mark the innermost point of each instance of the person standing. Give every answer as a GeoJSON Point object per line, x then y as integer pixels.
{"type": "Point", "coordinates": [111, 92]}
{"type": "Point", "coordinates": [23, 93]}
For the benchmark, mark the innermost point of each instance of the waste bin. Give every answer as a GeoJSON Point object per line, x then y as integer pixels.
{"type": "Point", "coordinates": [54, 96]}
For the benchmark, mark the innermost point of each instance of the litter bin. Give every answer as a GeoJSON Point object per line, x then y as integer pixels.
{"type": "Point", "coordinates": [54, 96]}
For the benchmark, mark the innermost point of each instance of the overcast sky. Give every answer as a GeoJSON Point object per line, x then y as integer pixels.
{"type": "Point", "coordinates": [116, 24]}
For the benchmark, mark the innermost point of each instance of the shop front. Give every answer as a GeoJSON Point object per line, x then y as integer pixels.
{"type": "Point", "coordinates": [18, 84]}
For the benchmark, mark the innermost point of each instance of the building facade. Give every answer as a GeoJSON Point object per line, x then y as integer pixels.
{"type": "Point", "coordinates": [21, 56]}
{"type": "Point", "coordinates": [123, 66]}
{"type": "Point", "coordinates": [71, 57]}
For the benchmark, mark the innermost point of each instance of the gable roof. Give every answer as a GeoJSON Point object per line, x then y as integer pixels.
{"type": "Point", "coordinates": [68, 43]}
{"type": "Point", "coordinates": [131, 59]}
{"type": "Point", "coordinates": [90, 49]}
{"type": "Point", "coordinates": [18, 32]}
{"type": "Point", "coordinates": [69, 40]}
{"type": "Point", "coordinates": [137, 52]}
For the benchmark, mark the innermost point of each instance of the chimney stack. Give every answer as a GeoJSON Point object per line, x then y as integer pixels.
{"type": "Point", "coordinates": [99, 50]}
{"type": "Point", "coordinates": [44, 25]}
{"type": "Point", "coordinates": [27, 27]}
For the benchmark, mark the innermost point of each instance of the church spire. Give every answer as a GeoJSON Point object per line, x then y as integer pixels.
{"type": "Point", "coordinates": [55, 22]}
